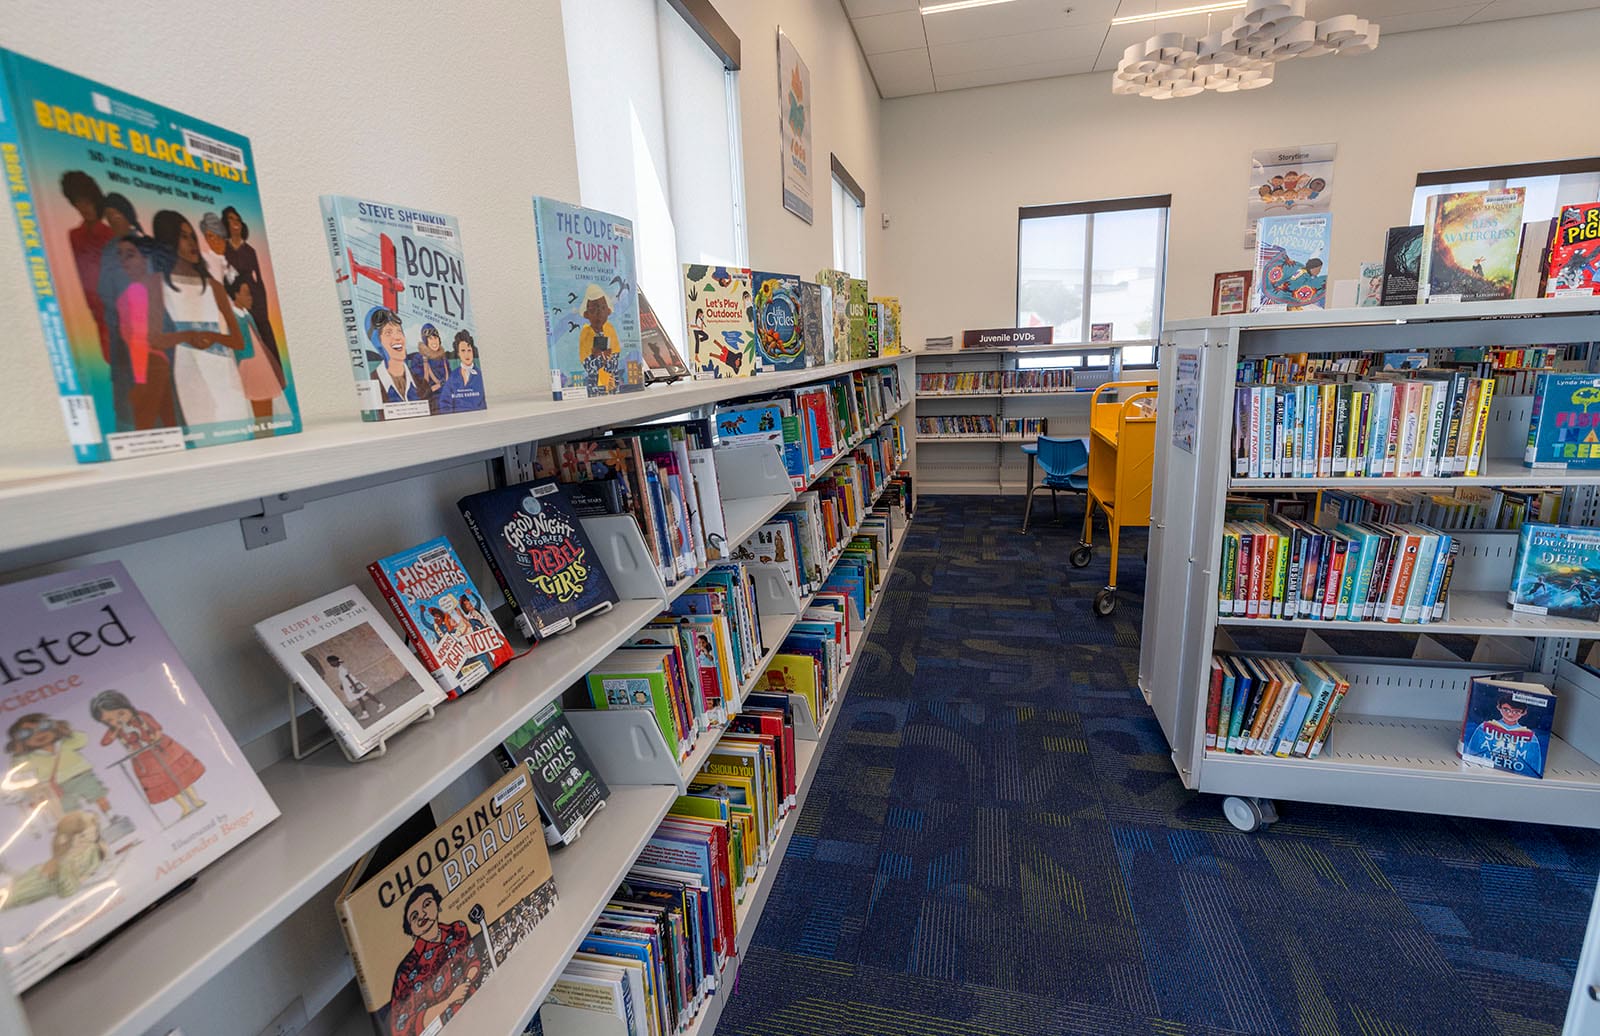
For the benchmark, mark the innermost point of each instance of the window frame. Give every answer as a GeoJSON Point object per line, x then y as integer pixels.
{"type": "Point", "coordinates": [854, 191]}
{"type": "Point", "coordinates": [1519, 171]}
{"type": "Point", "coordinates": [1089, 209]}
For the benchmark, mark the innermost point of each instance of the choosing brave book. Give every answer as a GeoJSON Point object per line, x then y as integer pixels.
{"type": "Point", "coordinates": [402, 284]}
{"type": "Point", "coordinates": [143, 235]}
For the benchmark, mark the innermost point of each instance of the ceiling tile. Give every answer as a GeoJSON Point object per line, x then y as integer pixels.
{"type": "Point", "coordinates": [868, 8]}
{"type": "Point", "coordinates": [899, 73]}
{"type": "Point", "coordinates": [1393, 24]}
{"type": "Point", "coordinates": [885, 32]}
{"type": "Point", "coordinates": [1015, 18]}
{"type": "Point", "coordinates": [1120, 37]}
{"type": "Point", "coordinates": [1014, 73]}
{"type": "Point", "coordinates": [1501, 9]}
{"type": "Point", "coordinates": [1028, 48]}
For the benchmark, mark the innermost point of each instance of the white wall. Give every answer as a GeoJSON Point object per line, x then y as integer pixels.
{"type": "Point", "coordinates": [957, 165]}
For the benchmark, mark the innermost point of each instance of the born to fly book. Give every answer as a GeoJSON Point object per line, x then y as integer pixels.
{"type": "Point", "coordinates": [146, 250]}
{"type": "Point", "coordinates": [401, 278]}
{"type": "Point", "coordinates": [121, 781]}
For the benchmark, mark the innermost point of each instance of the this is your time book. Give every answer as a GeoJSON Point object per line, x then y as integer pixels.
{"type": "Point", "coordinates": [451, 628]}
{"type": "Point", "coordinates": [780, 321]}
{"type": "Point", "coordinates": [1556, 571]}
{"type": "Point", "coordinates": [1564, 431]}
{"type": "Point", "coordinates": [591, 300]}
{"type": "Point", "coordinates": [721, 314]}
{"type": "Point", "coordinates": [143, 237]}
{"type": "Point", "coordinates": [1471, 241]}
{"type": "Point", "coordinates": [1291, 261]}
{"type": "Point", "coordinates": [1575, 252]}
{"type": "Point", "coordinates": [435, 909]}
{"type": "Point", "coordinates": [357, 671]}
{"type": "Point", "coordinates": [121, 781]}
{"type": "Point", "coordinates": [1507, 726]}
{"type": "Point", "coordinates": [546, 566]}
{"type": "Point", "coordinates": [401, 279]}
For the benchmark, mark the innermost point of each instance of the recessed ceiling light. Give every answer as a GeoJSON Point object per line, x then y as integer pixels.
{"type": "Point", "coordinates": [1228, 5]}
{"type": "Point", "coordinates": [962, 5]}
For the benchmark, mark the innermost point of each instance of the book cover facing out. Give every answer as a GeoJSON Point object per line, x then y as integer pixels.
{"type": "Point", "coordinates": [591, 300]}
{"type": "Point", "coordinates": [1471, 243]}
{"type": "Point", "coordinates": [1402, 259]}
{"type": "Point", "coordinates": [1507, 726]}
{"type": "Point", "coordinates": [1565, 428]}
{"type": "Point", "coordinates": [147, 253]}
{"type": "Point", "coordinates": [568, 787]}
{"type": "Point", "coordinates": [780, 325]}
{"type": "Point", "coordinates": [1291, 260]}
{"type": "Point", "coordinates": [721, 313]}
{"type": "Point", "coordinates": [453, 631]}
{"type": "Point", "coordinates": [1575, 252]}
{"type": "Point", "coordinates": [1557, 571]}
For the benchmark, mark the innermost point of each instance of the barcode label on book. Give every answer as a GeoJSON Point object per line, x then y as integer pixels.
{"type": "Point", "coordinates": [433, 230]}
{"type": "Point", "coordinates": [216, 150]}
{"type": "Point", "coordinates": [79, 593]}
{"type": "Point", "coordinates": [83, 427]}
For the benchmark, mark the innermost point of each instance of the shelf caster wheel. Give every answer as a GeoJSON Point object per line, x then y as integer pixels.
{"type": "Point", "coordinates": [1081, 556]}
{"type": "Point", "coordinates": [1249, 814]}
{"type": "Point", "coordinates": [1105, 602]}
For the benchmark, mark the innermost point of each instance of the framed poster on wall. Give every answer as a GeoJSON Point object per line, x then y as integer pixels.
{"type": "Point", "coordinates": [1230, 293]}
{"type": "Point", "coordinates": [794, 127]}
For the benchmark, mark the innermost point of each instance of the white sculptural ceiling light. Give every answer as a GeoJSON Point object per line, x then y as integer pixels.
{"type": "Point", "coordinates": [1242, 56]}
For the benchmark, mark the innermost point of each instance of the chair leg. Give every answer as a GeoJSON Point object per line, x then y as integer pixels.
{"type": "Point", "coordinates": [1027, 508]}
{"type": "Point", "coordinates": [1055, 505]}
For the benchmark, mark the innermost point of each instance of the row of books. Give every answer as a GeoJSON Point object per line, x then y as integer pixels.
{"type": "Point", "coordinates": [1354, 571]}
{"type": "Point", "coordinates": [1464, 508]}
{"type": "Point", "coordinates": [400, 277]}
{"type": "Point", "coordinates": [961, 381]}
{"type": "Point", "coordinates": [956, 426]}
{"type": "Point", "coordinates": [1048, 379]}
{"type": "Point", "coordinates": [1422, 423]}
{"type": "Point", "coordinates": [1256, 705]}
{"type": "Point", "coordinates": [814, 424]}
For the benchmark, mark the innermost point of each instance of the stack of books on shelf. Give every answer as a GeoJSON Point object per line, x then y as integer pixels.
{"type": "Point", "coordinates": [1464, 508]}
{"type": "Point", "coordinates": [958, 426]}
{"type": "Point", "coordinates": [814, 424]}
{"type": "Point", "coordinates": [1276, 707]}
{"type": "Point", "coordinates": [955, 384]}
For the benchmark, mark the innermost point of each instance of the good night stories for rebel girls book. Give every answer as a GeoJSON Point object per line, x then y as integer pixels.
{"type": "Point", "coordinates": [143, 236]}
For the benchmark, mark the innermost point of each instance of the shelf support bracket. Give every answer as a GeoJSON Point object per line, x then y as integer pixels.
{"type": "Point", "coordinates": [267, 528]}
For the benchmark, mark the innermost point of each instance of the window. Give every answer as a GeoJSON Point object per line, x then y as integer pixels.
{"type": "Point", "coordinates": [1550, 185]}
{"type": "Point", "coordinates": [849, 222]}
{"type": "Point", "coordinates": [657, 131]}
{"type": "Point", "coordinates": [1094, 263]}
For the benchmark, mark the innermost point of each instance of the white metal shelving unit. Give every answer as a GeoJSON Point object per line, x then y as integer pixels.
{"type": "Point", "coordinates": [1393, 744]}
{"type": "Point", "coordinates": [331, 810]}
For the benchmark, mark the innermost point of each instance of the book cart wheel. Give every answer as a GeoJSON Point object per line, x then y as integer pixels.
{"type": "Point", "coordinates": [1249, 814]}
{"type": "Point", "coordinates": [1105, 601]}
{"type": "Point", "coordinates": [1081, 555]}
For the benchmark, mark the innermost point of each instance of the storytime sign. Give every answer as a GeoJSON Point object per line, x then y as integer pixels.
{"type": "Point", "coordinates": [1288, 181]}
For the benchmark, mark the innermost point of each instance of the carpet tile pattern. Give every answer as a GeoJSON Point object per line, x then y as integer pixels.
{"type": "Point", "coordinates": [997, 845]}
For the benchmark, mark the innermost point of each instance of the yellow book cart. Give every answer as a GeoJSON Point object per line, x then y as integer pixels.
{"type": "Point", "coordinates": [1122, 435]}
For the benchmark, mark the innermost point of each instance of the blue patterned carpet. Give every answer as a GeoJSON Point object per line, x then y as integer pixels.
{"type": "Point", "coordinates": [997, 845]}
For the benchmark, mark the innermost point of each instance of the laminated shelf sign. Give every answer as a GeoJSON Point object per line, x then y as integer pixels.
{"type": "Point", "coordinates": [1289, 181]}
{"type": "Point", "coordinates": [794, 127]}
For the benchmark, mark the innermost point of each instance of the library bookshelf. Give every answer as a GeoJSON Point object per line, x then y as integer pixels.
{"type": "Point", "coordinates": [1393, 743]}
{"type": "Point", "coordinates": [276, 887]}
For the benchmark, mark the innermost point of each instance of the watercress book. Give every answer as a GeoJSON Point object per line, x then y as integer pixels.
{"type": "Point", "coordinates": [591, 300]}
{"type": "Point", "coordinates": [1471, 241]}
{"type": "Point", "coordinates": [121, 780]}
{"type": "Point", "coordinates": [451, 628]}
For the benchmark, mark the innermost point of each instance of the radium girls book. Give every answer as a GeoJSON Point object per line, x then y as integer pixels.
{"type": "Point", "coordinates": [591, 300]}
{"type": "Point", "coordinates": [147, 253]}
{"type": "Point", "coordinates": [1471, 241]}
{"type": "Point", "coordinates": [452, 630]}
{"type": "Point", "coordinates": [569, 789]}
{"type": "Point", "coordinates": [401, 278]}
{"type": "Point", "coordinates": [121, 781]}
{"type": "Point", "coordinates": [780, 321]}
{"type": "Point", "coordinates": [544, 562]}
{"type": "Point", "coordinates": [721, 313]}
{"type": "Point", "coordinates": [1291, 261]}
{"type": "Point", "coordinates": [354, 668]}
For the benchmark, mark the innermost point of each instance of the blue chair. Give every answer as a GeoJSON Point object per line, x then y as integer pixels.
{"type": "Point", "coordinates": [1065, 463]}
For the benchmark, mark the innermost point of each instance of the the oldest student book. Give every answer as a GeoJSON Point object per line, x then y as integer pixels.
{"type": "Point", "coordinates": [146, 250]}
{"type": "Point", "coordinates": [591, 300]}
{"type": "Point", "coordinates": [121, 782]}
{"type": "Point", "coordinates": [401, 278]}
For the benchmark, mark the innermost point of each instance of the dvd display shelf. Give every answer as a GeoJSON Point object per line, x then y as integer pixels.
{"type": "Point", "coordinates": [330, 810]}
{"type": "Point", "coordinates": [1393, 743]}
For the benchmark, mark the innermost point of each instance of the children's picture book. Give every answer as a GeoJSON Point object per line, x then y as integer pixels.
{"type": "Point", "coordinates": [568, 787]}
{"type": "Point", "coordinates": [146, 249]}
{"type": "Point", "coordinates": [1557, 571]}
{"type": "Point", "coordinates": [591, 300]}
{"type": "Point", "coordinates": [780, 324]}
{"type": "Point", "coordinates": [451, 629]}
{"type": "Point", "coordinates": [1402, 259]}
{"type": "Point", "coordinates": [121, 781]}
{"type": "Point", "coordinates": [401, 278]}
{"type": "Point", "coordinates": [1507, 725]}
{"type": "Point", "coordinates": [1369, 285]}
{"type": "Point", "coordinates": [662, 360]}
{"type": "Point", "coordinates": [434, 910]}
{"type": "Point", "coordinates": [1564, 431]}
{"type": "Point", "coordinates": [1230, 292]}
{"type": "Point", "coordinates": [816, 318]}
{"type": "Point", "coordinates": [856, 294]}
{"type": "Point", "coordinates": [836, 285]}
{"type": "Point", "coordinates": [546, 566]}
{"type": "Point", "coordinates": [1574, 267]}
{"type": "Point", "coordinates": [1471, 243]}
{"type": "Point", "coordinates": [889, 343]}
{"type": "Point", "coordinates": [352, 666]}
{"type": "Point", "coordinates": [1291, 256]}
{"type": "Point", "coordinates": [722, 320]}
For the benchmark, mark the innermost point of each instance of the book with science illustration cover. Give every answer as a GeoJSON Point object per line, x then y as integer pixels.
{"type": "Point", "coordinates": [780, 322]}
{"type": "Point", "coordinates": [401, 277]}
{"type": "Point", "coordinates": [856, 294]}
{"type": "Point", "coordinates": [816, 306]}
{"type": "Point", "coordinates": [452, 630]}
{"type": "Point", "coordinates": [1471, 242]}
{"type": "Point", "coordinates": [121, 780]}
{"type": "Point", "coordinates": [1574, 267]}
{"type": "Point", "coordinates": [1291, 261]}
{"type": "Point", "coordinates": [721, 315]}
{"type": "Point", "coordinates": [591, 300]}
{"type": "Point", "coordinates": [147, 254]}
{"type": "Point", "coordinates": [836, 285]}
{"type": "Point", "coordinates": [542, 558]}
